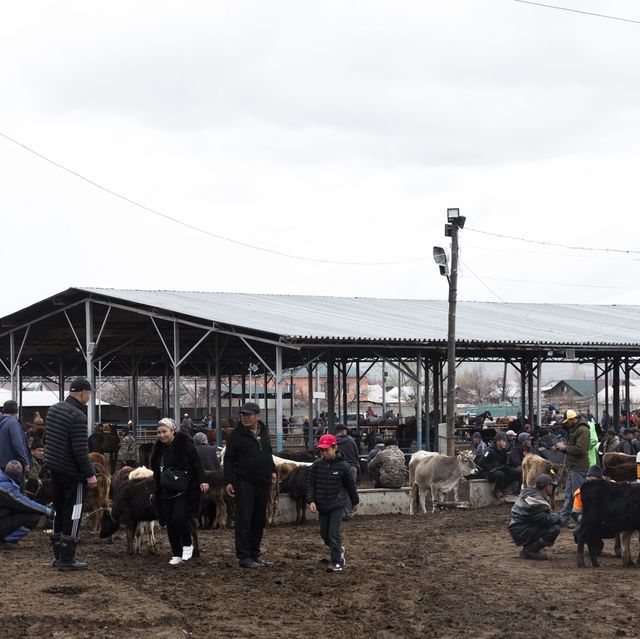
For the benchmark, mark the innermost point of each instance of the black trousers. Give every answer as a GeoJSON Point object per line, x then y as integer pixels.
{"type": "Point", "coordinates": [68, 494]}
{"type": "Point", "coordinates": [330, 523]}
{"type": "Point", "coordinates": [547, 535]}
{"type": "Point", "coordinates": [14, 521]}
{"type": "Point", "coordinates": [178, 524]}
{"type": "Point", "coordinates": [251, 517]}
{"type": "Point", "coordinates": [504, 476]}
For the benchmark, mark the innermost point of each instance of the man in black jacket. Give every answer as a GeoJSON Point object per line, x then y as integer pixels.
{"type": "Point", "coordinates": [249, 472]}
{"type": "Point", "coordinates": [495, 466]}
{"type": "Point", "coordinates": [66, 454]}
{"type": "Point", "coordinates": [349, 451]}
{"type": "Point", "coordinates": [533, 526]}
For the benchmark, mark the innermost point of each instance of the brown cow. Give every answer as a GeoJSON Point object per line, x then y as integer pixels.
{"type": "Point", "coordinates": [96, 498]}
{"type": "Point", "coordinates": [214, 497]}
{"type": "Point", "coordinates": [534, 465]}
{"type": "Point", "coordinates": [619, 467]}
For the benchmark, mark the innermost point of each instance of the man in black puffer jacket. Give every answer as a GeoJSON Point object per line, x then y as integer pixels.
{"type": "Point", "coordinates": [329, 484]}
{"type": "Point", "coordinates": [66, 454]}
{"type": "Point", "coordinates": [249, 472]}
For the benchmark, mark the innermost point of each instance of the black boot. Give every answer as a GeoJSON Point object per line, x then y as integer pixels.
{"type": "Point", "coordinates": [534, 550]}
{"type": "Point", "coordinates": [57, 551]}
{"type": "Point", "coordinates": [68, 559]}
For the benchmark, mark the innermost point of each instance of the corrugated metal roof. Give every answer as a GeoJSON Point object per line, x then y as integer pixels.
{"type": "Point", "coordinates": [360, 318]}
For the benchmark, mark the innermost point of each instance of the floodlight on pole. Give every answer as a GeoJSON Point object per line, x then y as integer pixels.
{"type": "Point", "coordinates": [440, 258]}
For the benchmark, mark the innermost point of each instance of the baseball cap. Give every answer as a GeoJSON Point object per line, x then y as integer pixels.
{"type": "Point", "coordinates": [80, 384]}
{"type": "Point", "coordinates": [326, 441]}
{"type": "Point", "coordinates": [545, 480]}
{"type": "Point", "coordinates": [511, 432]}
{"type": "Point", "coordinates": [249, 408]}
{"type": "Point", "coordinates": [570, 414]}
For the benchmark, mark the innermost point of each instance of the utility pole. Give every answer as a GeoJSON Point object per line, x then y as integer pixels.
{"type": "Point", "coordinates": [455, 222]}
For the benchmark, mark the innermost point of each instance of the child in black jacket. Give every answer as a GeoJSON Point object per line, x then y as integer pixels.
{"type": "Point", "coordinates": [329, 477]}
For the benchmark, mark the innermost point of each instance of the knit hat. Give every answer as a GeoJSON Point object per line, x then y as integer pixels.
{"type": "Point", "coordinates": [36, 443]}
{"type": "Point", "coordinates": [523, 437]}
{"type": "Point", "coordinates": [595, 471]}
{"type": "Point", "coordinates": [200, 438]}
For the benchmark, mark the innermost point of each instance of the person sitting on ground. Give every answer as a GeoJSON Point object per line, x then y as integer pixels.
{"type": "Point", "coordinates": [390, 461]}
{"type": "Point", "coordinates": [533, 526]}
{"type": "Point", "coordinates": [37, 459]}
{"type": "Point", "coordinates": [374, 473]}
{"type": "Point", "coordinates": [206, 452]}
{"type": "Point", "coordinates": [478, 447]}
{"type": "Point", "coordinates": [19, 515]}
{"type": "Point", "coordinates": [495, 468]}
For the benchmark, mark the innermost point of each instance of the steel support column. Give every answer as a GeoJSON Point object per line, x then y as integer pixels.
{"type": "Point", "coordinates": [419, 403]}
{"type": "Point", "coordinates": [331, 400]}
{"type": "Point", "coordinates": [91, 376]}
{"type": "Point", "coordinates": [310, 405]}
{"type": "Point", "coordinates": [176, 374]}
{"type": "Point", "coordinates": [279, 439]}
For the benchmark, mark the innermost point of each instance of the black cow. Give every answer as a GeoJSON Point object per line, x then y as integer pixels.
{"type": "Point", "coordinates": [608, 508]}
{"type": "Point", "coordinates": [296, 485]}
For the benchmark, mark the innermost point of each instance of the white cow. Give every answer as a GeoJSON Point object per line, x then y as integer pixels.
{"type": "Point", "coordinates": [441, 474]}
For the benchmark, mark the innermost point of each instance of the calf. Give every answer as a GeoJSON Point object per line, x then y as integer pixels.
{"type": "Point", "coordinates": [296, 485]}
{"type": "Point", "coordinates": [441, 474]}
{"type": "Point", "coordinates": [619, 467]}
{"type": "Point", "coordinates": [608, 508]}
{"type": "Point", "coordinates": [534, 465]}
{"type": "Point", "coordinates": [96, 498]}
{"type": "Point", "coordinates": [213, 507]}
{"type": "Point", "coordinates": [283, 470]}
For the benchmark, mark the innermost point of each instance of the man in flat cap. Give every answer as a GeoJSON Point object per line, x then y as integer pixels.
{"type": "Point", "coordinates": [13, 440]}
{"type": "Point", "coordinates": [533, 526]}
{"type": "Point", "coordinates": [249, 472]}
{"type": "Point", "coordinates": [67, 456]}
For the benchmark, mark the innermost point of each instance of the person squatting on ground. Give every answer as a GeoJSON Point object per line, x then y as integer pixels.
{"type": "Point", "coordinates": [391, 466]}
{"type": "Point", "coordinates": [67, 456]}
{"type": "Point", "coordinates": [249, 471]}
{"type": "Point", "coordinates": [330, 484]}
{"type": "Point", "coordinates": [577, 459]}
{"type": "Point", "coordinates": [179, 480]}
{"type": "Point", "coordinates": [533, 526]}
{"type": "Point", "coordinates": [494, 466]}
{"type": "Point", "coordinates": [349, 449]}
{"type": "Point", "coordinates": [19, 515]}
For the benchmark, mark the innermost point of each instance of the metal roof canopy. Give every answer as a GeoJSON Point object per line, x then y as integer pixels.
{"type": "Point", "coordinates": [135, 332]}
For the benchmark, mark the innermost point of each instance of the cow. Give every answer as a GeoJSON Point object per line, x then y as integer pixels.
{"type": "Point", "coordinates": [283, 470]}
{"type": "Point", "coordinates": [608, 507]}
{"type": "Point", "coordinates": [296, 485]}
{"type": "Point", "coordinates": [133, 504]}
{"type": "Point", "coordinates": [418, 456]}
{"type": "Point", "coordinates": [96, 498]}
{"type": "Point", "coordinates": [619, 467]}
{"type": "Point", "coordinates": [534, 465]}
{"type": "Point", "coordinates": [441, 474]}
{"type": "Point", "coordinates": [213, 501]}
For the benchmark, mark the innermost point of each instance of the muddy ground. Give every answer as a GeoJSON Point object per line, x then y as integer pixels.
{"type": "Point", "coordinates": [452, 574]}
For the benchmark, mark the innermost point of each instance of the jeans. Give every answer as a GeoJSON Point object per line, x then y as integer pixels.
{"type": "Point", "coordinates": [330, 523]}
{"type": "Point", "coordinates": [574, 481]}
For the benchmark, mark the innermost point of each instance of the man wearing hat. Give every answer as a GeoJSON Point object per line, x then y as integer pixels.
{"type": "Point", "coordinates": [67, 456]}
{"type": "Point", "coordinates": [577, 459]}
{"type": "Point", "coordinates": [37, 459]}
{"type": "Point", "coordinates": [249, 472]}
{"type": "Point", "coordinates": [13, 440]}
{"type": "Point", "coordinates": [533, 526]}
{"type": "Point", "coordinates": [349, 450]}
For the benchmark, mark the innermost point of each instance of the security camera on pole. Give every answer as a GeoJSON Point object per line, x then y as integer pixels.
{"type": "Point", "coordinates": [455, 222]}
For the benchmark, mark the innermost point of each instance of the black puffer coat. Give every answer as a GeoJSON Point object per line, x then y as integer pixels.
{"type": "Point", "coordinates": [248, 457]}
{"type": "Point", "coordinates": [180, 454]}
{"type": "Point", "coordinates": [65, 440]}
{"type": "Point", "coordinates": [328, 482]}
{"type": "Point", "coordinates": [531, 516]}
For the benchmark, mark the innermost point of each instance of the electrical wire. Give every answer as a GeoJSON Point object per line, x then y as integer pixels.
{"type": "Point", "coordinates": [198, 229]}
{"type": "Point", "coordinates": [558, 244]}
{"type": "Point", "coordinates": [587, 13]}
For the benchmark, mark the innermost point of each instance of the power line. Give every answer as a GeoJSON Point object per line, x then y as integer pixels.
{"type": "Point", "coordinates": [198, 229]}
{"type": "Point", "coordinates": [558, 244]}
{"type": "Point", "coordinates": [587, 13]}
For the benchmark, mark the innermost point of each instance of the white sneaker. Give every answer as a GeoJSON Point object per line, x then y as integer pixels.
{"type": "Point", "coordinates": [187, 553]}
{"type": "Point", "coordinates": [175, 561]}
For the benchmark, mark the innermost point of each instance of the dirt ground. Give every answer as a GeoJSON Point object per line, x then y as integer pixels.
{"type": "Point", "coordinates": [450, 574]}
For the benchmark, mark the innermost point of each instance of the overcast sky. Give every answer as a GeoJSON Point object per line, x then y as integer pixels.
{"type": "Point", "coordinates": [335, 131]}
